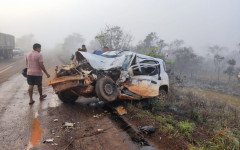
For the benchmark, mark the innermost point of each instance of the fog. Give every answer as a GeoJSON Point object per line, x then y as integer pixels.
{"type": "Point", "coordinates": [199, 23]}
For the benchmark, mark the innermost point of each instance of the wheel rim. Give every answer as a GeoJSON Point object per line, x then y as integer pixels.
{"type": "Point", "coordinates": [108, 89]}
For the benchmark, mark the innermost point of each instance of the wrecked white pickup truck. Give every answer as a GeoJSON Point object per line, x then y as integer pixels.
{"type": "Point", "coordinates": [111, 76]}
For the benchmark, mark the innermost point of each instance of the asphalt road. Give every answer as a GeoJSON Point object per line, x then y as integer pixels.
{"type": "Point", "coordinates": [27, 127]}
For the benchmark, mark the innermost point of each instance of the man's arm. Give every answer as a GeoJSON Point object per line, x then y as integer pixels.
{"type": "Point", "coordinates": [26, 62]}
{"type": "Point", "coordinates": [43, 69]}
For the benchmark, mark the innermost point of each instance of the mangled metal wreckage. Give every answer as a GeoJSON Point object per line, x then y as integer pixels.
{"type": "Point", "coordinates": [111, 76]}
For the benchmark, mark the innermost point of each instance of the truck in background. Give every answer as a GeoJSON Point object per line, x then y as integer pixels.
{"type": "Point", "coordinates": [7, 44]}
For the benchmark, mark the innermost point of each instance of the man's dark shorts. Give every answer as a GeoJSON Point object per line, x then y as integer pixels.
{"type": "Point", "coordinates": [34, 80]}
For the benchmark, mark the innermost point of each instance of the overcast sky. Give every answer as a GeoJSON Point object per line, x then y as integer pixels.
{"type": "Point", "coordinates": [200, 23]}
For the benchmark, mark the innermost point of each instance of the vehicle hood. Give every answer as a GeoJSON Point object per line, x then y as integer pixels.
{"type": "Point", "coordinates": [103, 63]}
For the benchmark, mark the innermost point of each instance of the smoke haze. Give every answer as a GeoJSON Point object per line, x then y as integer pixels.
{"type": "Point", "coordinates": [199, 23]}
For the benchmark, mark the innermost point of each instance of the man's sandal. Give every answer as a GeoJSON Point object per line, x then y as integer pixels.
{"type": "Point", "coordinates": [42, 98]}
{"type": "Point", "coordinates": [31, 102]}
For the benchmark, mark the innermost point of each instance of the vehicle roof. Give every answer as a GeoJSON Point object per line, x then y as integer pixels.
{"type": "Point", "coordinates": [127, 52]}
{"type": "Point", "coordinates": [113, 59]}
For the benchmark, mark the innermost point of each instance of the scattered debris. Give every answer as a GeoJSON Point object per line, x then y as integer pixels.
{"type": "Point", "coordinates": [101, 103]}
{"type": "Point", "coordinates": [55, 144]}
{"type": "Point", "coordinates": [53, 132]}
{"type": "Point", "coordinates": [55, 120]}
{"type": "Point", "coordinates": [100, 130]}
{"type": "Point", "coordinates": [121, 111]}
{"type": "Point", "coordinates": [93, 104]}
{"type": "Point", "coordinates": [68, 124]}
{"type": "Point", "coordinates": [147, 129]}
{"type": "Point", "coordinates": [97, 116]}
{"type": "Point", "coordinates": [48, 141]}
{"type": "Point", "coordinates": [86, 130]}
{"type": "Point", "coordinates": [105, 111]}
{"type": "Point", "coordinates": [57, 136]}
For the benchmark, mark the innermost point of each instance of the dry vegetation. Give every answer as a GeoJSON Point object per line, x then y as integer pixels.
{"type": "Point", "coordinates": [204, 121]}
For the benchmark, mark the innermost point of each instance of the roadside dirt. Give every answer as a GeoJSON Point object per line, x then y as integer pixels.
{"type": "Point", "coordinates": [87, 131]}
{"type": "Point", "coordinates": [159, 139]}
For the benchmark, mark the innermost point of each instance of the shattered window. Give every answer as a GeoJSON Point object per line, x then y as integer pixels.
{"type": "Point", "coordinates": [146, 67]}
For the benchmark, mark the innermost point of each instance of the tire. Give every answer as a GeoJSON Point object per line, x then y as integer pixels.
{"type": "Point", "coordinates": [162, 96]}
{"type": "Point", "coordinates": [106, 89]}
{"type": "Point", "coordinates": [67, 96]}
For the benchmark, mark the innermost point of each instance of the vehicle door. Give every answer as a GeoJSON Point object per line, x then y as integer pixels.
{"type": "Point", "coordinates": [145, 77]}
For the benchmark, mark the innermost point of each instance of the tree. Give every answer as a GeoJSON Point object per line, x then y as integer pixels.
{"type": "Point", "coordinates": [154, 52]}
{"type": "Point", "coordinates": [72, 42]}
{"type": "Point", "coordinates": [230, 71]}
{"type": "Point", "coordinates": [218, 59]}
{"type": "Point", "coordinates": [114, 37]}
{"type": "Point", "coordinates": [187, 61]}
{"type": "Point", "coordinates": [94, 45]}
{"type": "Point", "coordinates": [175, 45]}
{"type": "Point", "coordinates": [238, 47]}
{"type": "Point", "coordinates": [152, 45]}
{"type": "Point", "coordinates": [216, 49]}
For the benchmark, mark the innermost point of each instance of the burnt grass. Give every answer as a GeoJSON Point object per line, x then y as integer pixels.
{"type": "Point", "coordinates": [231, 87]}
{"type": "Point", "coordinates": [185, 120]}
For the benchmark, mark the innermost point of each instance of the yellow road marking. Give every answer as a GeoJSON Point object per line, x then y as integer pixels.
{"type": "Point", "coordinates": [5, 69]}
{"type": "Point", "coordinates": [8, 65]}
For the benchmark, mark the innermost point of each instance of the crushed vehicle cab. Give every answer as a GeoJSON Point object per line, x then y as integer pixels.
{"type": "Point", "coordinates": [111, 76]}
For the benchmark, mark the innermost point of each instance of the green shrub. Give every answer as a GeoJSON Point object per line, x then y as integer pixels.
{"type": "Point", "coordinates": [186, 128]}
{"type": "Point", "coordinates": [196, 116]}
{"type": "Point", "coordinates": [139, 116]}
{"type": "Point", "coordinates": [130, 107]}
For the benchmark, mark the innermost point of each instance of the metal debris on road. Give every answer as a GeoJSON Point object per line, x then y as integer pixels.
{"type": "Point", "coordinates": [68, 124]}
{"type": "Point", "coordinates": [100, 130]}
{"type": "Point", "coordinates": [147, 129]}
{"type": "Point", "coordinates": [55, 120]}
{"type": "Point", "coordinates": [101, 103]}
{"type": "Point", "coordinates": [48, 141]}
{"type": "Point", "coordinates": [97, 116]}
{"type": "Point", "coordinates": [121, 111]}
{"type": "Point", "coordinates": [93, 104]}
{"type": "Point", "coordinates": [53, 132]}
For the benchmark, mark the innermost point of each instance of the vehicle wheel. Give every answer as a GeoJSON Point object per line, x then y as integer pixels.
{"type": "Point", "coordinates": [162, 96]}
{"type": "Point", "coordinates": [67, 96]}
{"type": "Point", "coordinates": [106, 89]}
